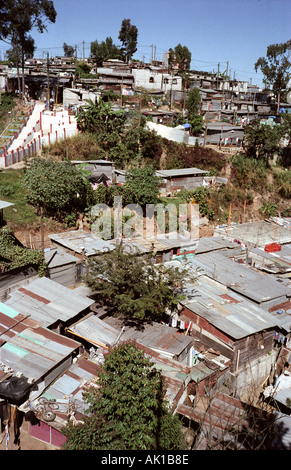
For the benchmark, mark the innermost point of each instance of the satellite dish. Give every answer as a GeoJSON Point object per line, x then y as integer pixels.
{"type": "Point", "coordinates": [289, 97]}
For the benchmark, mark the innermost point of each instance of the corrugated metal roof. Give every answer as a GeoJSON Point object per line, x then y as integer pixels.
{"type": "Point", "coordinates": [161, 338]}
{"type": "Point", "coordinates": [47, 301]}
{"type": "Point", "coordinates": [256, 233]}
{"type": "Point", "coordinates": [226, 310]}
{"type": "Point", "coordinates": [31, 350]}
{"type": "Point", "coordinates": [57, 257]}
{"type": "Point", "coordinates": [77, 240]}
{"type": "Point", "coordinates": [277, 262]}
{"type": "Point", "coordinates": [96, 331]}
{"type": "Point", "coordinates": [240, 278]}
{"type": "Point", "coordinates": [160, 243]}
{"type": "Point", "coordinates": [180, 172]}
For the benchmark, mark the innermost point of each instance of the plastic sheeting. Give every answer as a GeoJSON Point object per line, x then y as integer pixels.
{"type": "Point", "coordinates": [15, 389]}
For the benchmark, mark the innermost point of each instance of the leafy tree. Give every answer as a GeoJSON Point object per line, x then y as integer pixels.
{"type": "Point", "coordinates": [19, 17]}
{"type": "Point", "coordinates": [128, 410]}
{"type": "Point", "coordinates": [262, 141]}
{"type": "Point", "coordinates": [82, 69]}
{"type": "Point", "coordinates": [194, 118]}
{"type": "Point", "coordinates": [55, 188]}
{"type": "Point", "coordinates": [105, 50]}
{"type": "Point", "coordinates": [142, 186]}
{"type": "Point", "coordinates": [99, 117]}
{"type": "Point", "coordinates": [275, 68]}
{"type": "Point", "coordinates": [69, 51]}
{"type": "Point", "coordinates": [132, 287]}
{"type": "Point", "coordinates": [128, 36]}
{"type": "Point", "coordinates": [179, 59]}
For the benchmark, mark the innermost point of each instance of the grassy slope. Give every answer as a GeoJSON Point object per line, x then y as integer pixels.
{"type": "Point", "coordinates": [21, 214]}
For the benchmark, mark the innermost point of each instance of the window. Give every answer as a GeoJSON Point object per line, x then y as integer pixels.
{"type": "Point", "coordinates": [152, 80]}
{"type": "Point", "coordinates": [166, 81]}
{"type": "Point", "coordinates": [174, 81]}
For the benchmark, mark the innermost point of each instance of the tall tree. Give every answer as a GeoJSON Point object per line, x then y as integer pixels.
{"type": "Point", "coordinates": [19, 17]}
{"type": "Point", "coordinates": [69, 51]}
{"type": "Point", "coordinates": [275, 68]}
{"type": "Point", "coordinates": [134, 288]}
{"type": "Point", "coordinates": [179, 59]}
{"type": "Point", "coordinates": [193, 116]}
{"type": "Point", "coordinates": [128, 410]}
{"type": "Point", "coordinates": [105, 50]}
{"type": "Point", "coordinates": [128, 36]}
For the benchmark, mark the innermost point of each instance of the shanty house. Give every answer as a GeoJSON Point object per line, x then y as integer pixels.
{"type": "Point", "coordinates": [31, 358]}
{"type": "Point", "coordinates": [80, 243]}
{"type": "Point", "coordinates": [226, 322]}
{"type": "Point", "coordinates": [184, 178]}
{"type": "Point", "coordinates": [61, 266]}
{"type": "Point", "coordinates": [66, 395]}
{"type": "Point", "coordinates": [52, 305]}
{"type": "Point", "coordinates": [95, 167]}
{"type": "Point", "coordinates": [264, 291]}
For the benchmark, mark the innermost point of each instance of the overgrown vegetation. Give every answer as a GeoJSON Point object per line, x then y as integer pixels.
{"type": "Point", "coordinates": [14, 255]}
{"type": "Point", "coordinates": [128, 410]}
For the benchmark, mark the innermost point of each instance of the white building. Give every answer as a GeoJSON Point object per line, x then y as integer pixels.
{"type": "Point", "coordinates": [153, 79]}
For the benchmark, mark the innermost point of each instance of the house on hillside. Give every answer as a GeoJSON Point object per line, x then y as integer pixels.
{"type": "Point", "coordinates": [184, 178]}
{"type": "Point", "coordinates": [76, 97]}
{"type": "Point", "coordinates": [153, 78]}
{"type": "Point", "coordinates": [62, 267]}
{"type": "Point", "coordinates": [225, 322]}
{"type": "Point", "coordinates": [223, 133]}
{"type": "Point", "coordinates": [65, 397]}
{"type": "Point", "coordinates": [96, 167]}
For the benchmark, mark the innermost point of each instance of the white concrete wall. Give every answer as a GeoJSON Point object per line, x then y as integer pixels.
{"type": "Point", "coordinates": [151, 80]}
{"type": "Point", "coordinates": [170, 133]}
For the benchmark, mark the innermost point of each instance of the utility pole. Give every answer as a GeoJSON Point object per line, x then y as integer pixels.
{"type": "Point", "coordinates": [83, 50]}
{"type": "Point", "coordinates": [48, 79]}
{"type": "Point", "coordinates": [218, 65]}
{"type": "Point", "coordinates": [76, 51]}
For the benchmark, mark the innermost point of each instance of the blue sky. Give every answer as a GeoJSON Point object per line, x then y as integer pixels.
{"type": "Point", "coordinates": [215, 31]}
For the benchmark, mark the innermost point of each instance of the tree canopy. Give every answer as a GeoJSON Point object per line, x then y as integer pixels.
{"type": "Point", "coordinates": [128, 410]}
{"type": "Point", "coordinates": [69, 51]}
{"type": "Point", "coordinates": [99, 117]}
{"type": "Point", "coordinates": [193, 116]}
{"type": "Point", "coordinates": [180, 59]}
{"type": "Point", "coordinates": [142, 186]}
{"type": "Point", "coordinates": [56, 187]}
{"type": "Point", "coordinates": [262, 141]}
{"type": "Point", "coordinates": [275, 68]}
{"type": "Point", "coordinates": [128, 37]}
{"type": "Point", "coordinates": [130, 286]}
{"type": "Point", "coordinates": [105, 50]}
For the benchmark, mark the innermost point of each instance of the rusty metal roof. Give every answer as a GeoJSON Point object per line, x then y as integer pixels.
{"type": "Point", "coordinates": [47, 301]}
{"type": "Point", "coordinates": [28, 349]}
